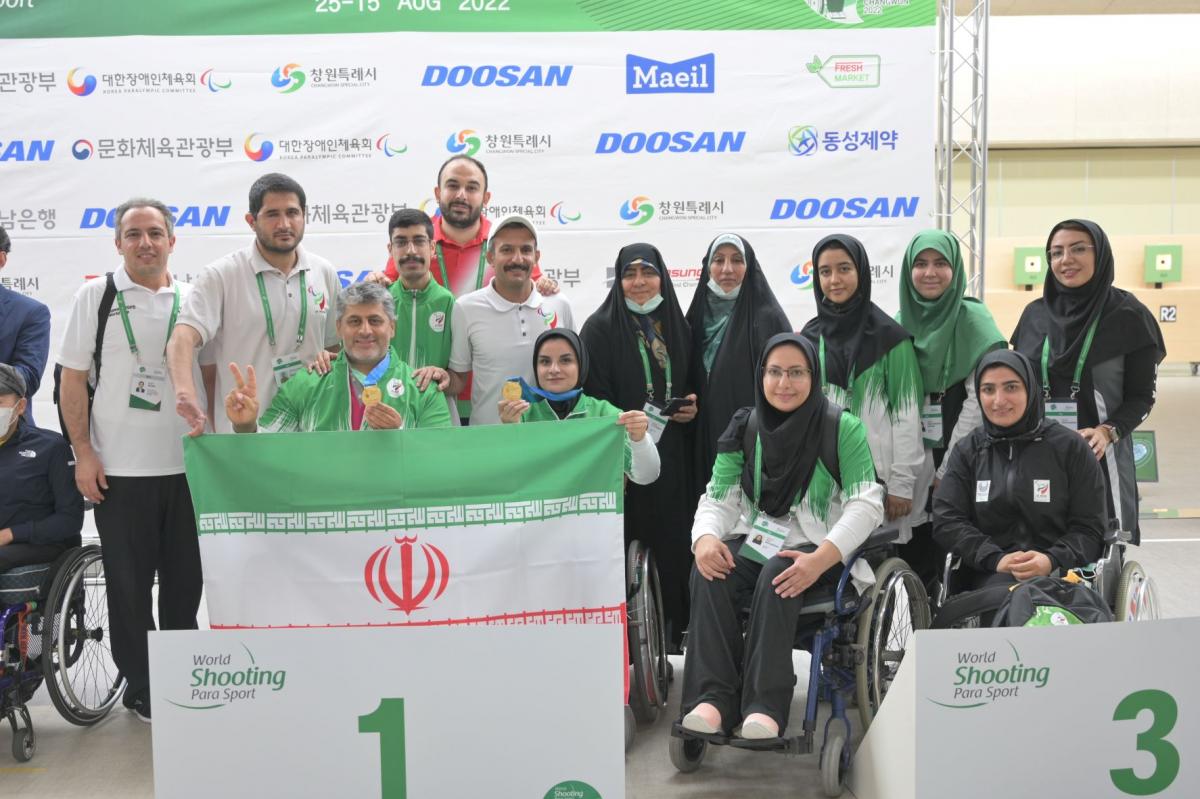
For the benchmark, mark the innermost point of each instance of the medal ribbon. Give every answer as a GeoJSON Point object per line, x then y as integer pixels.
{"type": "Point", "coordinates": [133, 348]}
{"type": "Point", "coordinates": [373, 376]}
{"type": "Point", "coordinates": [262, 294]}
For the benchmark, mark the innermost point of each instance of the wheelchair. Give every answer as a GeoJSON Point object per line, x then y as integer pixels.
{"type": "Point", "coordinates": [1122, 583]}
{"type": "Point", "coordinates": [55, 623]}
{"type": "Point", "coordinates": [650, 673]}
{"type": "Point", "coordinates": [857, 643]}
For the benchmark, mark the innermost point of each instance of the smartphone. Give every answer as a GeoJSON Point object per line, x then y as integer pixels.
{"type": "Point", "coordinates": [677, 404]}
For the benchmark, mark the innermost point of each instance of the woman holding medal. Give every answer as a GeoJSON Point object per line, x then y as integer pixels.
{"type": "Point", "coordinates": [772, 478]}
{"type": "Point", "coordinates": [871, 370]}
{"type": "Point", "coordinates": [732, 314]}
{"type": "Point", "coordinates": [951, 332]}
{"type": "Point", "coordinates": [639, 344]}
{"type": "Point", "coordinates": [560, 364]}
{"type": "Point", "coordinates": [1098, 349]}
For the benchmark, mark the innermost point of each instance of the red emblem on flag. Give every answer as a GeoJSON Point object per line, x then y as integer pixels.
{"type": "Point", "coordinates": [437, 576]}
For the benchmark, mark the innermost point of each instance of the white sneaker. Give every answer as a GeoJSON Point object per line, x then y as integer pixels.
{"type": "Point", "coordinates": [698, 722]}
{"type": "Point", "coordinates": [759, 727]}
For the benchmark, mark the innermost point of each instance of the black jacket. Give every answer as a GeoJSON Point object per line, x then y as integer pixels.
{"type": "Point", "coordinates": [38, 497]}
{"type": "Point", "coordinates": [1066, 520]}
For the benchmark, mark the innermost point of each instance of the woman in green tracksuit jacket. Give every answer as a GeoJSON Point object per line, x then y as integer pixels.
{"type": "Point", "coordinates": [560, 366]}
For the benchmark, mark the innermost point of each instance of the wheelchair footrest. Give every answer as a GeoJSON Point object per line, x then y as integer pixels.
{"type": "Point", "coordinates": [796, 745]}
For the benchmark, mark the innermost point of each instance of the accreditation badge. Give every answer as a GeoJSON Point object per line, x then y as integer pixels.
{"type": "Point", "coordinates": [1065, 412]}
{"type": "Point", "coordinates": [146, 388]}
{"type": "Point", "coordinates": [931, 425]}
{"type": "Point", "coordinates": [658, 422]}
{"type": "Point", "coordinates": [765, 539]}
{"type": "Point", "coordinates": [285, 366]}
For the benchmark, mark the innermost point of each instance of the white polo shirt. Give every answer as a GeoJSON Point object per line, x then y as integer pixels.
{"type": "Point", "coordinates": [130, 442]}
{"type": "Point", "coordinates": [493, 338]}
{"type": "Point", "coordinates": [226, 308]}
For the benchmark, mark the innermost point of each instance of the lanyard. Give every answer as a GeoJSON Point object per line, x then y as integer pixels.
{"type": "Point", "coordinates": [266, 304]}
{"type": "Point", "coordinates": [646, 367]}
{"type": "Point", "coordinates": [478, 275]}
{"type": "Point", "coordinates": [372, 378]}
{"type": "Point", "coordinates": [1083, 353]}
{"type": "Point", "coordinates": [133, 348]}
{"type": "Point", "coordinates": [821, 358]}
{"type": "Point", "coordinates": [757, 469]}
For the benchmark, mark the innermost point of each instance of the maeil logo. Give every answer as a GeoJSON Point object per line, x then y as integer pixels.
{"type": "Point", "coordinates": [690, 76]}
{"type": "Point", "coordinates": [288, 78]}
{"type": "Point", "coordinates": [410, 597]}
{"type": "Point", "coordinates": [80, 83]}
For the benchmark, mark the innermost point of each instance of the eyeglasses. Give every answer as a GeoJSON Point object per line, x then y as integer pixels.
{"type": "Point", "coordinates": [794, 375]}
{"type": "Point", "coordinates": [401, 243]}
{"type": "Point", "coordinates": [1075, 251]}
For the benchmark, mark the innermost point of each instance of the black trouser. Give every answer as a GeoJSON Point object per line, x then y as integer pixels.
{"type": "Point", "coordinates": [923, 555]}
{"type": "Point", "coordinates": [147, 525]}
{"type": "Point", "coordinates": [751, 677]}
{"type": "Point", "coordinates": [15, 555]}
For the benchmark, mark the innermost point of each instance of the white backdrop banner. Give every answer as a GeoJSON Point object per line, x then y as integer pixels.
{"type": "Point", "coordinates": [607, 121]}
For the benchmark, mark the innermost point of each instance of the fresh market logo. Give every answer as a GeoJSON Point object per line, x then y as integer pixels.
{"type": "Point", "coordinates": [288, 78]}
{"type": "Point", "coordinates": [220, 680]}
{"type": "Point", "coordinates": [847, 71]}
{"type": "Point", "coordinates": [689, 76]}
{"type": "Point", "coordinates": [27, 150]}
{"type": "Point", "coordinates": [499, 76]}
{"type": "Point", "coordinates": [383, 144]}
{"type": "Point", "coordinates": [802, 276]}
{"type": "Point", "coordinates": [845, 208]}
{"type": "Point", "coordinates": [663, 141]}
{"type": "Point", "coordinates": [261, 152]}
{"type": "Point", "coordinates": [978, 680]}
{"type": "Point", "coordinates": [210, 81]}
{"type": "Point", "coordinates": [637, 211]}
{"type": "Point", "coordinates": [80, 83]}
{"type": "Point", "coordinates": [409, 597]}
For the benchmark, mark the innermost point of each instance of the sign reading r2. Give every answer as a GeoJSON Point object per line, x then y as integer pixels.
{"type": "Point", "coordinates": [1167, 313]}
{"type": "Point", "coordinates": [388, 721]}
{"type": "Point", "coordinates": [1164, 712]}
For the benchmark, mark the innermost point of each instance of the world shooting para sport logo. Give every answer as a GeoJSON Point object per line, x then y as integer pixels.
{"type": "Point", "coordinates": [210, 81]}
{"type": "Point", "coordinates": [227, 678]}
{"type": "Point", "coordinates": [260, 153]}
{"type": "Point", "coordinates": [464, 142]}
{"type": "Point", "coordinates": [409, 598]}
{"type": "Point", "coordinates": [637, 211]}
{"type": "Point", "coordinates": [288, 78]}
{"type": "Point", "coordinates": [80, 83]}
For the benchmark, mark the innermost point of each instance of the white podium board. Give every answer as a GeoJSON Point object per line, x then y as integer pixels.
{"type": "Point", "coordinates": [1103, 710]}
{"type": "Point", "coordinates": [530, 711]}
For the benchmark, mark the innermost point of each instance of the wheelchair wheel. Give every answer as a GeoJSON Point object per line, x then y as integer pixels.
{"type": "Point", "coordinates": [687, 753]}
{"type": "Point", "coordinates": [1136, 598]}
{"type": "Point", "coordinates": [647, 636]}
{"type": "Point", "coordinates": [83, 682]}
{"type": "Point", "coordinates": [898, 608]}
{"type": "Point", "coordinates": [833, 775]}
{"type": "Point", "coordinates": [23, 745]}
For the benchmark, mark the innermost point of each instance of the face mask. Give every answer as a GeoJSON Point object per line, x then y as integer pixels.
{"type": "Point", "coordinates": [646, 308]}
{"type": "Point", "coordinates": [722, 293]}
{"type": "Point", "coordinates": [6, 419]}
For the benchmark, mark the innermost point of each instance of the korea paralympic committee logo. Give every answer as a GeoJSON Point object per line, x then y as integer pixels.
{"type": "Point", "coordinates": [288, 78]}
{"type": "Point", "coordinates": [437, 576]}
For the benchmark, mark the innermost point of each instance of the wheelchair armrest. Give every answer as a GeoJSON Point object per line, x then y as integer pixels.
{"type": "Point", "coordinates": [1113, 534]}
{"type": "Point", "coordinates": [881, 537]}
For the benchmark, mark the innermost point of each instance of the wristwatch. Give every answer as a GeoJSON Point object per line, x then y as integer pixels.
{"type": "Point", "coordinates": [1113, 435]}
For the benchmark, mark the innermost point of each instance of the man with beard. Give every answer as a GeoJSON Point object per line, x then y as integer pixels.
{"type": "Point", "coordinates": [265, 305]}
{"type": "Point", "coordinates": [493, 329]}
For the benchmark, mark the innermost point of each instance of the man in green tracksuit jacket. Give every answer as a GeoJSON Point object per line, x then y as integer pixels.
{"type": "Point", "coordinates": [368, 386]}
{"type": "Point", "coordinates": [423, 305]}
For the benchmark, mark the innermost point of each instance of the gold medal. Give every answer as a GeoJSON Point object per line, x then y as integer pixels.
{"type": "Point", "coordinates": [511, 390]}
{"type": "Point", "coordinates": [371, 395]}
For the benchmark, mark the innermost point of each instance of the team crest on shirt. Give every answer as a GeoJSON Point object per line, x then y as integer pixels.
{"type": "Point", "coordinates": [318, 299]}
{"type": "Point", "coordinates": [1041, 490]}
{"type": "Point", "coordinates": [437, 321]}
{"type": "Point", "coordinates": [548, 316]}
{"type": "Point", "coordinates": [395, 387]}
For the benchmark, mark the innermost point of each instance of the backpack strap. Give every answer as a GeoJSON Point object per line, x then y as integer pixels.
{"type": "Point", "coordinates": [828, 446]}
{"type": "Point", "coordinates": [106, 304]}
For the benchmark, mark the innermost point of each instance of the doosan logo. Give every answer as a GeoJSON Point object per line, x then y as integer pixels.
{"type": "Point", "coordinates": [689, 76]}
{"type": "Point", "coordinates": [185, 216]}
{"type": "Point", "coordinates": [845, 208]}
{"type": "Point", "coordinates": [26, 150]}
{"type": "Point", "coordinates": [664, 141]}
{"type": "Point", "coordinates": [504, 76]}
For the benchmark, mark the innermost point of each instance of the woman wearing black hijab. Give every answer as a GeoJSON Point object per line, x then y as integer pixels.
{"type": "Point", "coordinates": [871, 370]}
{"type": "Point", "coordinates": [639, 344]}
{"type": "Point", "coordinates": [1097, 349]}
{"type": "Point", "coordinates": [774, 522]}
{"type": "Point", "coordinates": [1022, 496]}
{"type": "Point", "coordinates": [732, 314]}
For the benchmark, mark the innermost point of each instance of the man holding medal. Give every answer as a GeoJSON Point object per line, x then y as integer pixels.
{"type": "Point", "coordinates": [493, 329]}
{"type": "Point", "coordinates": [266, 305]}
{"type": "Point", "coordinates": [129, 449]}
{"type": "Point", "coordinates": [367, 386]}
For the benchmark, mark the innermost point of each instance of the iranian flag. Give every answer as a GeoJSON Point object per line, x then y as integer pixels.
{"type": "Point", "coordinates": [496, 525]}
